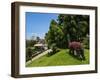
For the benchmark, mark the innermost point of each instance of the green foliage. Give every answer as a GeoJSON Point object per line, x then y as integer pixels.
{"type": "Point", "coordinates": [30, 43]}
{"type": "Point", "coordinates": [54, 49]}
{"type": "Point", "coordinates": [54, 35]}
{"type": "Point", "coordinates": [28, 53]}
{"type": "Point", "coordinates": [77, 26]}
{"type": "Point", "coordinates": [67, 28]}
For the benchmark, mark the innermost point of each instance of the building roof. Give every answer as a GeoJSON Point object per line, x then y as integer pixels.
{"type": "Point", "coordinates": [38, 45]}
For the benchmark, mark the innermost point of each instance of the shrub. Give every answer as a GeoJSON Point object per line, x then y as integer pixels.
{"type": "Point", "coordinates": [28, 53]}
{"type": "Point", "coordinates": [54, 49]}
{"type": "Point", "coordinates": [50, 53]}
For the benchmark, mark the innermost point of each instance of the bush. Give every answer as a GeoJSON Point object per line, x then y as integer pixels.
{"type": "Point", "coordinates": [50, 53]}
{"type": "Point", "coordinates": [28, 53]}
{"type": "Point", "coordinates": [54, 49]}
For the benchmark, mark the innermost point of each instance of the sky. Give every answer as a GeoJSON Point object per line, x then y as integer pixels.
{"type": "Point", "coordinates": [37, 24]}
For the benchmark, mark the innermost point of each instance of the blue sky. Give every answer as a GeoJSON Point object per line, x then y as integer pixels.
{"type": "Point", "coordinates": [38, 23]}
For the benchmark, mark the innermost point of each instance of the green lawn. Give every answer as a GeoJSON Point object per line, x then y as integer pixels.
{"type": "Point", "coordinates": [60, 58]}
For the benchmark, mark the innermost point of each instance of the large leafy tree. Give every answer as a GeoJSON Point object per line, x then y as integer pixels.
{"type": "Point", "coordinates": [75, 27]}
{"type": "Point", "coordinates": [54, 35]}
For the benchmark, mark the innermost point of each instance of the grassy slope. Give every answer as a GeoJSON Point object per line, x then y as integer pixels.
{"type": "Point", "coordinates": [60, 58]}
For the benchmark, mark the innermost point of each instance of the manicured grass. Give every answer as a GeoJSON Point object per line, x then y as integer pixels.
{"type": "Point", "coordinates": [60, 58]}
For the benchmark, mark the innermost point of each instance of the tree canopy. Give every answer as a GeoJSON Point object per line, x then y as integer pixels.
{"type": "Point", "coordinates": [67, 28]}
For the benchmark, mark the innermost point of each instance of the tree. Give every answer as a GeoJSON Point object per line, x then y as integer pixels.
{"type": "Point", "coordinates": [38, 39]}
{"type": "Point", "coordinates": [74, 27]}
{"type": "Point", "coordinates": [30, 43]}
{"type": "Point", "coordinates": [54, 35]}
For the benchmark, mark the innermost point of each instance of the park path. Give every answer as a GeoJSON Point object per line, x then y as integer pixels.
{"type": "Point", "coordinates": [38, 56]}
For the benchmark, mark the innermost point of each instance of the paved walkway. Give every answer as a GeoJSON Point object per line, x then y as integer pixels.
{"type": "Point", "coordinates": [38, 56]}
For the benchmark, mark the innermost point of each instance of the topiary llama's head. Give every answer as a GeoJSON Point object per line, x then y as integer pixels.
{"type": "Point", "coordinates": [75, 45]}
